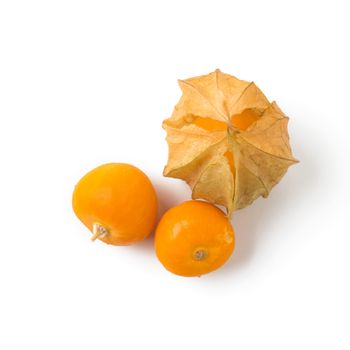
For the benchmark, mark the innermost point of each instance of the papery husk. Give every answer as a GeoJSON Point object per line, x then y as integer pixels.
{"type": "Point", "coordinates": [227, 141]}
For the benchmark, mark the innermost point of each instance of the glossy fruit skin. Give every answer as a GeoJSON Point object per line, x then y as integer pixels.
{"type": "Point", "coordinates": [194, 238]}
{"type": "Point", "coordinates": [121, 199]}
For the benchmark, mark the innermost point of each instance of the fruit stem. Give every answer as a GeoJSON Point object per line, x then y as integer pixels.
{"type": "Point", "coordinates": [98, 231]}
{"type": "Point", "coordinates": [200, 254]}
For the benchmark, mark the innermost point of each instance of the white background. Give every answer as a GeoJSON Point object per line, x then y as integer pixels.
{"type": "Point", "coordinates": [88, 82]}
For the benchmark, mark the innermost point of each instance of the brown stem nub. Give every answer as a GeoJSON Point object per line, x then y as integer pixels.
{"type": "Point", "coordinates": [200, 254]}
{"type": "Point", "coordinates": [98, 231]}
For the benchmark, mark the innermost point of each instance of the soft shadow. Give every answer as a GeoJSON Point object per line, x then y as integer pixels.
{"type": "Point", "coordinates": [170, 192]}
{"type": "Point", "coordinates": [145, 247]}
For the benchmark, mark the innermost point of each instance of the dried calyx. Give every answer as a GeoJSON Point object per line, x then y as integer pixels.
{"type": "Point", "coordinates": [227, 141]}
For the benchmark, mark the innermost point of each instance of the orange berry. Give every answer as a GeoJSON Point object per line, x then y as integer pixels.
{"type": "Point", "coordinates": [194, 238]}
{"type": "Point", "coordinates": [117, 203]}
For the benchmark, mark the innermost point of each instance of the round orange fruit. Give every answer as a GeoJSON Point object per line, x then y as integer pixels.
{"type": "Point", "coordinates": [194, 238]}
{"type": "Point", "coordinates": [117, 203]}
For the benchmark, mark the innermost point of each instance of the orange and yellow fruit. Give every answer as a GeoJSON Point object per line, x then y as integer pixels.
{"type": "Point", "coordinates": [117, 203]}
{"type": "Point", "coordinates": [194, 238]}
